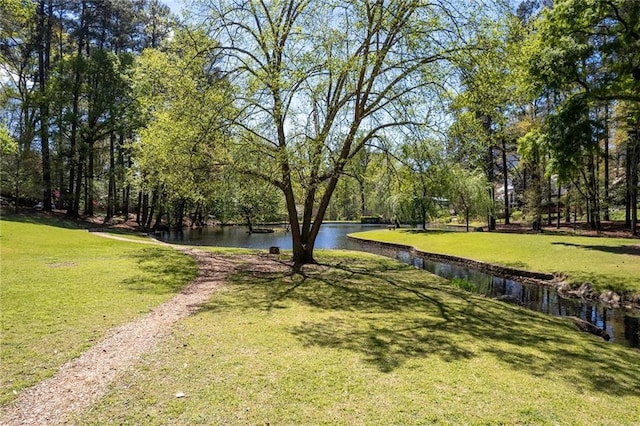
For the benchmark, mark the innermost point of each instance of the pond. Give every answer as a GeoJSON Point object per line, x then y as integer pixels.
{"type": "Point", "coordinates": [331, 236]}
{"type": "Point", "coordinates": [623, 326]}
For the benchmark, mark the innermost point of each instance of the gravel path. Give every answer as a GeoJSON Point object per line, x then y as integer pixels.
{"type": "Point", "coordinates": [84, 380]}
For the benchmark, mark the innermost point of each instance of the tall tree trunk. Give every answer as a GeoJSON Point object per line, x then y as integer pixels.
{"type": "Point", "coordinates": [549, 202]}
{"type": "Point", "coordinates": [139, 209]}
{"type": "Point", "coordinates": [466, 217]}
{"type": "Point", "coordinates": [75, 210]}
{"type": "Point", "coordinates": [363, 210]}
{"type": "Point", "coordinates": [505, 182]}
{"type": "Point", "coordinates": [567, 207]}
{"type": "Point", "coordinates": [490, 162]}
{"type": "Point", "coordinates": [595, 194]}
{"type": "Point", "coordinates": [44, 52]}
{"type": "Point", "coordinates": [111, 193]}
{"type": "Point", "coordinates": [606, 161]}
{"type": "Point", "coordinates": [75, 167]}
{"type": "Point", "coordinates": [144, 209]}
{"type": "Point", "coordinates": [558, 212]}
{"type": "Point", "coordinates": [635, 165]}
{"type": "Point", "coordinates": [152, 208]}
{"type": "Point", "coordinates": [89, 187]}
{"type": "Point", "coordinates": [628, 186]}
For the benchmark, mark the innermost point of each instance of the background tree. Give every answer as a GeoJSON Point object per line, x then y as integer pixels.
{"type": "Point", "coordinates": [423, 173]}
{"type": "Point", "coordinates": [584, 54]}
{"type": "Point", "coordinates": [179, 153]}
{"type": "Point", "coordinates": [468, 192]}
{"type": "Point", "coordinates": [18, 61]}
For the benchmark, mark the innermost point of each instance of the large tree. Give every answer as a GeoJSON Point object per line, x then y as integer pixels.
{"type": "Point", "coordinates": [320, 80]}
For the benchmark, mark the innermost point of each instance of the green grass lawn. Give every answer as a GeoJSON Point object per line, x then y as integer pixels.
{"type": "Point", "coordinates": [366, 340]}
{"type": "Point", "coordinates": [609, 263]}
{"type": "Point", "coordinates": [63, 288]}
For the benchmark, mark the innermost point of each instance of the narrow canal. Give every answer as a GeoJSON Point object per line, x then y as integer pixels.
{"type": "Point", "coordinates": [621, 325]}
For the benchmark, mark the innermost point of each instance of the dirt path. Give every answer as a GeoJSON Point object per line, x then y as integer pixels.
{"type": "Point", "coordinates": [84, 380]}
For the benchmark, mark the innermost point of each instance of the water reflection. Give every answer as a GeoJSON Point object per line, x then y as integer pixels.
{"type": "Point", "coordinates": [623, 326]}
{"type": "Point", "coordinates": [331, 236]}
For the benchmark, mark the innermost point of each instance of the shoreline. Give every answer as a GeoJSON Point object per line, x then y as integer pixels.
{"type": "Point", "coordinates": [585, 292]}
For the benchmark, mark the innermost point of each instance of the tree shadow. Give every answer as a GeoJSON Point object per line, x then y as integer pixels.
{"type": "Point", "coordinates": [392, 313]}
{"type": "Point", "coordinates": [633, 250]}
{"type": "Point", "coordinates": [162, 270]}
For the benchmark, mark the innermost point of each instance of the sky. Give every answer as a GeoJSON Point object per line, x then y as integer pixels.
{"type": "Point", "coordinates": [174, 5]}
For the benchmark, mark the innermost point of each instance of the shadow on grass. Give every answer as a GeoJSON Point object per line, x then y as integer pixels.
{"type": "Point", "coordinates": [162, 271]}
{"type": "Point", "coordinates": [392, 314]}
{"type": "Point", "coordinates": [633, 250]}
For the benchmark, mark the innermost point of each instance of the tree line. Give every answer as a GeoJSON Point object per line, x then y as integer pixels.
{"type": "Point", "coordinates": [304, 110]}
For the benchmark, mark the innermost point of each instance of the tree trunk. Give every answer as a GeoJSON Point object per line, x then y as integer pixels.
{"type": "Point", "coordinates": [75, 209]}
{"type": "Point", "coordinates": [144, 209]}
{"type": "Point", "coordinates": [75, 174]}
{"type": "Point", "coordinates": [505, 182]}
{"type": "Point", "coordinates": [139, 208]}
{"type": "Point", "coordinates": [567, 207]}
{"type": "Point", "coordinates": [111, 195]}
{"type": "Point", "coordinates": [628, 187]}
{"type": "Point", "coordinates": [423, 207]}
{"type": "Point", "coordinates": [44, 51]}
{"type": "Point", "coordinates": [125, 201]}
{"type": "Point", "coordinates": [466, 217]}
{"type": "Point", "coordinates": [549, 202]}
{"type": "Point", "coordinates": [606, 161]}
{"type": "Point", "coordinates": [558, 205]}
{"type": "Point", "coordinates": [89, 187]}
{"type": "Point", "coordinates": [594, 195]}
{"type": "Point", "coordinates": [491, 221]}
{"type": "Point", "coordinates": [635, 162]}
{"type": "Point", "coordinates": [154, 203]}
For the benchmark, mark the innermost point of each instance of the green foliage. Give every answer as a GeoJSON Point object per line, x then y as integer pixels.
{"type": "Point", "coordinates": [582, 52]}
{"type": "Point", "coordinates": [15, 14]}
{"type": "Point", "coordinates": [469, 192]}
{"type": "Point", "coordinates": [180, 150]}
{"type": "Point", "coordinates": [464, 284]}
{"type": "Point", "coordinates": [422, 180]}
{"type": "Point", "coordinates": [8, 145]}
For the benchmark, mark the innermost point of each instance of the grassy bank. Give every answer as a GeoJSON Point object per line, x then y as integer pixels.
{"type": "Point", "coordinates": [63, 288]}
{"type": "Point", "coordinates": [366, 340]}
{"type": "Point", "coordinates": [609, 263]}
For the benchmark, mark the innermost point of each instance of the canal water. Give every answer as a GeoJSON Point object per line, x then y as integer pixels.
{"type": "Point", "coordinates": [623, 326]}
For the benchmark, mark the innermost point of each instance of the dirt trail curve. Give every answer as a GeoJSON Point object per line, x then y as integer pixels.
{"type": "Point", "coordinates": [83, 380]}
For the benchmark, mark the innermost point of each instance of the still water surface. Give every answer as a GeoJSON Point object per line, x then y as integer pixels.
{"type": "Point", "coordinates": [623, 326]}
{"type": "Point", "coordinates": [331, 236]}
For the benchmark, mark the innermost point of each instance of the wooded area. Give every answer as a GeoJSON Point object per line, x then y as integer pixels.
{"type": "Point", "coordinates": [304, 111]}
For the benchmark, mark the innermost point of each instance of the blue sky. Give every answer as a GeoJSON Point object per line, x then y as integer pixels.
{"type": "Point", "coordinates": [175, 5]}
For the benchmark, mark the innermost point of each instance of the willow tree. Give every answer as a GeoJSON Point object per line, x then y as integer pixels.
{"type": "Point", "coordinates": [320, 80]}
